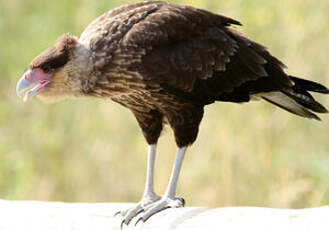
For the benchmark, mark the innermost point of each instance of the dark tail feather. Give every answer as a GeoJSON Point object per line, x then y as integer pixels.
{"type": "Point", "coordinates": [310, 85]}
{"type": "Point", "coordinates": [297, 100]}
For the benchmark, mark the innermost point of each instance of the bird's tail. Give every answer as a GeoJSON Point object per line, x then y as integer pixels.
{"type": "Point", "coordinates": [297, 99]}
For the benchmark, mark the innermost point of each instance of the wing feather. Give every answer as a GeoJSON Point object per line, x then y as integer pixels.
{"type": "Point", "coordinates": [202, 55]}
{"type": "Point", "coordinates": [180, 48]}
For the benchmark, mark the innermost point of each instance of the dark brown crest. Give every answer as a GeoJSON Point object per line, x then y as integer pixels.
{"type": "Point", "coordinates": [55, 56]}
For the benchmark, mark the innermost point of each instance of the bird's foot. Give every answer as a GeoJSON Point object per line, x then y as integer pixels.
{"type": "Point", "coordinates": [130, 213]}
{"type": "Point", "coordinates": [159, 206]}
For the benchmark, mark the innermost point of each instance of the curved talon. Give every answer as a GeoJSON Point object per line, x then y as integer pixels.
{"type": "Point", "coordinates": [121, 225]}
{"type": "Point", "coordinates": [129, 214]}
{"type": "Point", "coordinates": [142, 206]}
{"type": "Point", "coordinates": [117, 213]}
{"type": "Point", "coordinates": [139, 219]}
{"type": "Point", "coordinates": [128, 217]}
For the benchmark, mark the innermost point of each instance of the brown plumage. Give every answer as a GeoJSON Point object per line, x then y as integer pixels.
{"type": "Point", "coordinates": [165, 62]}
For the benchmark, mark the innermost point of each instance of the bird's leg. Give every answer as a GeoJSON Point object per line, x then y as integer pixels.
{"type": "Point", "coordinates": [171, 188]}
{"type": "Point", "coordinates": [149, 195]}
{"type": "Point", "coordinates": [169, 200]}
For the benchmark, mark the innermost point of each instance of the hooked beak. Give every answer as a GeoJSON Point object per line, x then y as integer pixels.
{"type": "Point", "coordinates": [22, 84]}
{"type": "Point", "coordinates": [32, 78]}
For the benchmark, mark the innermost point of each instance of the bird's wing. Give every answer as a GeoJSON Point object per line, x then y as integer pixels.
{"type": "Point", "coordinates": [188, 48]}
{"type": "Point", "coordinates": [179, 47]}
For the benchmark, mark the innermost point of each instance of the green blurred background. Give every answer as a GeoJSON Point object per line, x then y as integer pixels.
{"type": "Point", "coordinates": [92, 150]}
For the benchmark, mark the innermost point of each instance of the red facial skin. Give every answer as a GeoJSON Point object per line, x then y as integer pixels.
{"type": "Point", "coordinates": [36, 75]}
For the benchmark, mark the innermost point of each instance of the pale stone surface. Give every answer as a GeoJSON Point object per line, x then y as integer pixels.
{"type": "Point", "coordinates": [33, 215]}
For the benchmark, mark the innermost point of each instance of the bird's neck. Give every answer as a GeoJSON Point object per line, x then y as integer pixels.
{"type": "Point", "coordinates": [83, 75]}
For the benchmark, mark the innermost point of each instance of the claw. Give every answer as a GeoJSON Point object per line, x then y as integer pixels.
{"type": "Point", "coordinates": [117, 213]}
{"type": "Point", "coordinates": [129, 216]}
{"type": "Point", "coordinates": [143, 205]}
{"type": "Point", "coordinates": [139, 219]}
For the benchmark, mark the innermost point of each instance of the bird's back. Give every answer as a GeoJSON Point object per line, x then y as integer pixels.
{"type": "Point", "coordinates": [188, 54]}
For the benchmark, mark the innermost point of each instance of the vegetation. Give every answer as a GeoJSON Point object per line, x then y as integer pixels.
{"type": "Point", "coordinates": [92, 150]}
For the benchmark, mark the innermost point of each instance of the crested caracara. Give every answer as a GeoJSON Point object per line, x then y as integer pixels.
{"type": "Point", "coordinates": [165, 62]}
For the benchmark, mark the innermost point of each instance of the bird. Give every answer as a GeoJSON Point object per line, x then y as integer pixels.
{"type": "Point", "coordinates": [166, 62]}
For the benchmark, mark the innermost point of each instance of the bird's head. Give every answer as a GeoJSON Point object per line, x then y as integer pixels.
{"type": "Point", "coordinates": [56, 73]}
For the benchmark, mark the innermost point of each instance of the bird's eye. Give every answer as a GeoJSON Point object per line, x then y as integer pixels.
{"type": "Point", "coordinates": [47, 68]}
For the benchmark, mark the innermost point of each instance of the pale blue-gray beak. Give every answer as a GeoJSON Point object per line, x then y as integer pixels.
{"type": "Point", "coordinates": [22, 86]}
{"type": "Point", "coordinates": [32, 83]}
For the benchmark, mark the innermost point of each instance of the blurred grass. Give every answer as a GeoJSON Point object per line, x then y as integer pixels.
{"type": "Point", "coordinates": [92, 150]}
